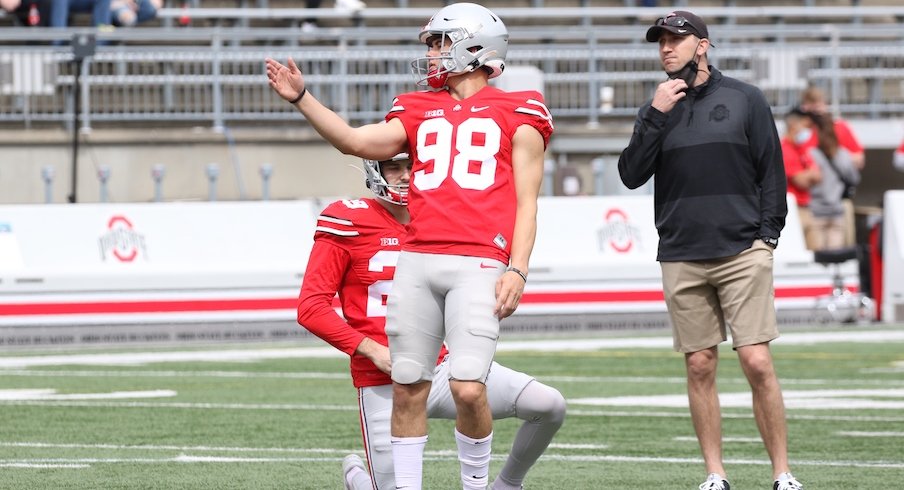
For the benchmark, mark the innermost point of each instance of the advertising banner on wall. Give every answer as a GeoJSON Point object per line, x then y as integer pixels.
{"type": "Point", "coordinates": [244, 261]}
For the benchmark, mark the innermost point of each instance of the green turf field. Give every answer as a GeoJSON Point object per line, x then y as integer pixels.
{"type": "Point", "coordinates": [280, 418]}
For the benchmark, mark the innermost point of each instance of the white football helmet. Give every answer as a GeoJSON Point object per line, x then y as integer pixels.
{"type": "Point", "coordinates": [393, 193]}
{"type": "Point", "coordinates": [479, 38]}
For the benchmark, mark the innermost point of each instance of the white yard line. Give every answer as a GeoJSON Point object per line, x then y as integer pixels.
{"type": "Point", "coordinates": [184, 405]}
{"type": "Point", "coordinates": [49, 394]}
{"type": "Point", "coordinates": [42, 465]}
{"type": "Point", "coordinates": [870, 434]}
{"type": "Point", "coordinates": [251, 355]}
{"type": "Point", "coordinates": [728, 415]}
{"type": "Point", "coordinates": [174, 374]}
{"type": "Point", "coordinates": [849, 399]}
{"type": "Point", "coordinates": [572, 412]}
{"type": "Point", "coordinates": [156, 447]}
{"type": "Point", "coordinates": [724, 439]}
{"type": "Point", "coordinates": [142, 358]}
{"type": "Point", "coordinates": [187, 459]}
{"type": "Point", "coordinates": [346, 376]}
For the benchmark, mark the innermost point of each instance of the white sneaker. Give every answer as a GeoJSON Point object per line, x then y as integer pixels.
{"type": "Point", "coordinates": [350, 6]}
{"type": "Point", "coordinates": [349, 463]}
{"type": "Point", "coordinates": [715, 481]}
{"type": "Point", "coordinates": [786, 481]}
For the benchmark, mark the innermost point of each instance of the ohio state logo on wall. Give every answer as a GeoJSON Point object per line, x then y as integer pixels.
{"type": "Point", "coordinates": [617, 233]}
{"type": "Point", "coordinates": [121, 241]}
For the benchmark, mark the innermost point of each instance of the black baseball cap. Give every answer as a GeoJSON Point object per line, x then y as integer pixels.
{"type": "Point", "coordinates": [680, 22]}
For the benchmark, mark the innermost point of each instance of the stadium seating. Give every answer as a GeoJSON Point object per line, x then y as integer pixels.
{"type": "Point", "coordinates": [596, 69]}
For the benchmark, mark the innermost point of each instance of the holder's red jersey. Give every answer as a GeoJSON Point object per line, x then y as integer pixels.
{"type": "Point", "coordinates": [462, 196]}
{"type": "Point", "coordinates": [356, 246]}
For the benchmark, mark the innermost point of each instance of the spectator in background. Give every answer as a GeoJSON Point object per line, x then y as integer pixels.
{"type": "Point", "coordinates": [310, 23]}
{"type": "Point", "coordinates": [838, 175]}
{"type": "Point", "coordinates": [899, 157]}
{"type": "Point", "coordinates": [127, 13]}
{"type": "Point", "coordinates": [59, 11]}
{"type": "Point", "coordinates": [28, 13]}
{"type": "Point", "coordinates": [800, 169]}
{"type": "Point", "coordinates": [350, 6]}
{"type": "Point", "coordinates": [9, 5]}
{"type": "Point", "coordinates": [813, 101]}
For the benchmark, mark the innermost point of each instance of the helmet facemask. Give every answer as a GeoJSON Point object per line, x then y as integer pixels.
{"type": "Point", "coordinates": [392, 193]}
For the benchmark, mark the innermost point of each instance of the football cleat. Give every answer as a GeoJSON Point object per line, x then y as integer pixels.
{"type": "Point", "coordinates": [349, 463]}
{"type": "Point", "coordinates": [715, 481]}
{"type": "Point", "coordinates": [786, 481]}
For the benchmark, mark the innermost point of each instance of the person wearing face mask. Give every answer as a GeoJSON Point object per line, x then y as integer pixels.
{"type": "Point", "coordinates": [800, 169]}
{"type": "Point", "coordinates": [711, 146]}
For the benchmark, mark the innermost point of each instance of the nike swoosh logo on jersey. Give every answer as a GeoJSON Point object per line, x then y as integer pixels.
{"type": "Point", "coordinates": [478, 109]}
{"type": "Point", "coordinates": [487, 266]}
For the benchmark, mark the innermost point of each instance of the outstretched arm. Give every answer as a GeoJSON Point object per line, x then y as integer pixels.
{"type": "Point", "coordinates": [371, 141]}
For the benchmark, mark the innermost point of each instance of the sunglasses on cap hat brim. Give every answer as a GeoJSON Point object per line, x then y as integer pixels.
{"type": "Point", "coordinates": [676, 24]}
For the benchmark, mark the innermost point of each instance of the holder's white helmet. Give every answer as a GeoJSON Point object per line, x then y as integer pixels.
{"type": "Point", "coordinates": [479, 38]}
{"type": "Point", "coordinates": [393, 193]}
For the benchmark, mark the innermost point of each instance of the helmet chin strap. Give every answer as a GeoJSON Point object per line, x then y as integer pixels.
{"type": "Point", "coordinates": [437, 80]}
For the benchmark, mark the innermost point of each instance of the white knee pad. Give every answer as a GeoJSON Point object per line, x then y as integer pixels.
{"type": "Point", "coordinates": [468, 369]}
{"type": "Point", "coordinates": [406, 372]}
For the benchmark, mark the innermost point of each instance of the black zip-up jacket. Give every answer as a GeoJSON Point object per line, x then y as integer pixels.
{"type": "Point", "coordinates": [718, 172]}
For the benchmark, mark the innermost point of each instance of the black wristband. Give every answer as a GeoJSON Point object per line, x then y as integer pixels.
{"type": "Point", "coordinates": [304, 90]}
{"type": "Point", "coordinates": [517, 271]}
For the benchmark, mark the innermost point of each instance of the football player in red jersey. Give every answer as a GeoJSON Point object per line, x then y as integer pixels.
{"type": "Point", "coordinates": [356, 246]}
{"type": "Point", "coordinates": [477, 163]}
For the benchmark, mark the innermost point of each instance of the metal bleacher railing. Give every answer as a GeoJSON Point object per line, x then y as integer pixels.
{"type": "Point", "coordinates": [593, 67]}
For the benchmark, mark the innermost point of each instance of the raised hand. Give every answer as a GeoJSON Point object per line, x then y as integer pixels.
{"type": "Point", "coordinates": [286, 80]}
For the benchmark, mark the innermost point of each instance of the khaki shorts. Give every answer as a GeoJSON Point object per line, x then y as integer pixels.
{"type": "Point", "coordinates": [703, 297]}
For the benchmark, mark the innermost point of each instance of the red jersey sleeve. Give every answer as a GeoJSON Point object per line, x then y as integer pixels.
{"type": "Point", "coordinates": [531, 106]}
{"type": "Point", "coordinates": [322, 279]}
{"type": "Point", "coordinates": [356, 246]}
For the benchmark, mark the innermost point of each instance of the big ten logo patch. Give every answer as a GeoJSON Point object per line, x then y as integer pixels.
{"type": "Point", "coordinates": [617, 233]}
{"type": "Point", "coordinates": [121, 241]}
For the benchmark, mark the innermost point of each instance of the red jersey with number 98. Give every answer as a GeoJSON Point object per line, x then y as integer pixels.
{"type": "Point", "coordinates": [462, 196]}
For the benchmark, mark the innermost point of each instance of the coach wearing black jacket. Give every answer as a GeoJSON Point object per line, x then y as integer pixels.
{"type": "Point", "coordinates": [711, 145]}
